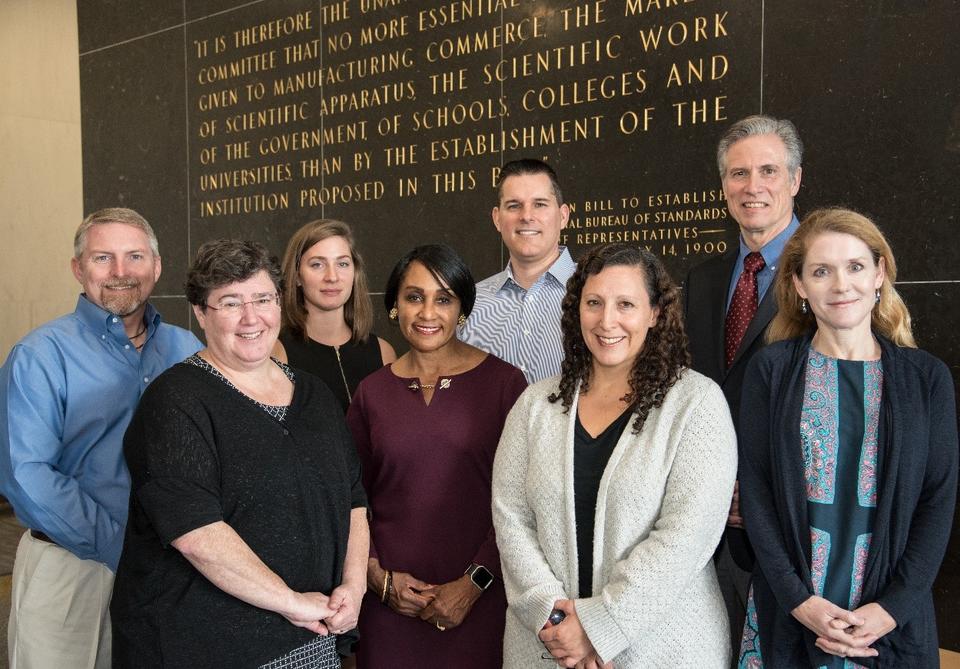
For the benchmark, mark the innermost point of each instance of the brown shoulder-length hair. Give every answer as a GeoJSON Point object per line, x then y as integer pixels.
{"type": "Point", "coordinates": [664, 354]}
{"type": "Point", "coordinates": [357, 311]}
{"type": "Point", "coordinates": [889, 318]}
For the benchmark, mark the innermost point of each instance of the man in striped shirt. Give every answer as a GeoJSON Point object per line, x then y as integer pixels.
{"type": "Point", "coordinates": [517, 313]}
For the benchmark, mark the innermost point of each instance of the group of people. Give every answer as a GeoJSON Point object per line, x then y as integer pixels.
{"type": "Point", "coordinates": [576, 464]}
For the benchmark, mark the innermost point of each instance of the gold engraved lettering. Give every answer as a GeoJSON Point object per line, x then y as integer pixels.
{"type": "Point", "coordinates": [258, 62]}
{"type": "Point", "coordinates": [334, 12]}
{"type": "Point", "coordinates": [554, 59]}
{"type": "Point", "coordinates": [455, 12]}
{"type": "Point", "coordinates": [371, 66]}
{"type": "Point", "coordinates": [265, 118]}
{"type": "Point", "coordinates": [495, 37]}
{"type": "Point", "coordinates": [374, 5]}
{"type": "Point", "coordinates": [454, 182]}
{"type": "Point", "coordinates": [695, 70]}
{"type": "Point", "coordinates": [401, 155]}
{"type": "Point", "coordinates": [364, 191]}
{"type": "Point", "coordinates": [245, 204]}
{"type": "Point", "coordinates": [640, 6]}
{"type": "Point", "coordinates": [581, 92]}
{"type": "Point", "coordinates": [271, 30]}
{"type": "Point", "coordinates": [449, 82]}
{"type": "Point", "coordinates": [392, 28]}
{"type": "Point", "coordinates": [254, 176]}
{"type": "Point", "coordinates": [220, 99]}
{"type": "Point", "coordinates": [368, 98]}
{"type": "Point", "coordinates": [561, 132]}
{"type": "Point", "coordinates": [344, 133]}
{"type": "Point", "coordinates": [680, 32]}
{"type": "Point", "coordinates": [584, 15]}
{"type": "Point", "coordinates": [701, 111]}
{"type": "Point", "coordinates": [237, 150]}
{"type": "Point", "coordinates": [458, 114]}
{"type": "Point", "coordinates": [291, 141]}
{"type": "Point", "coordinates": [297, 53]}
{"type": "Point", "coordinates": [315, 167]}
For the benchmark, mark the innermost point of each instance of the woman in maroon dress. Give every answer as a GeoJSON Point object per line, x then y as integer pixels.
{"type": "Point", "coordinates": [427, 428]}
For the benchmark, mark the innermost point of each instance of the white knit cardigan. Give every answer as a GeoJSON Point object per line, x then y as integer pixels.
{"type": "Point", "coordinates": [661, 508]}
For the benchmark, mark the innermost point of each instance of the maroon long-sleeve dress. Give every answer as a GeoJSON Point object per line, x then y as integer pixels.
{"type": "Point", "coordinates": [427, 472]}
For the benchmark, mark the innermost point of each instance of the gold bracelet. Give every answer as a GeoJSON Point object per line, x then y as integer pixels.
{"type": "Point", "coordinates": [383, 591]}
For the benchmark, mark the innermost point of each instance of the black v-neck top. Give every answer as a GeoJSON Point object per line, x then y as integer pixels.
{"type": "Point", "coordinates": [590, 457]}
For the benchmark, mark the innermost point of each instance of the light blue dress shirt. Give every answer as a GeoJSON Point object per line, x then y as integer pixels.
{"type": "Point", "coordinates": [521, 326]}
{"type": "Point", "coordinates": [67, 392]}
{"type": "Point", "coordinates": [771, 257]}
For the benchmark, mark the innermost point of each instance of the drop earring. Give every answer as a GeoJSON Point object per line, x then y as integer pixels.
{"type": "Point", "coordinates": [878, 296]}
{"type": "Point", "coordinates": [461, 320]}
{"type": "Point", "coordinates": [394, 314]}
{"type": "Point", "coordinates": [803, 306]}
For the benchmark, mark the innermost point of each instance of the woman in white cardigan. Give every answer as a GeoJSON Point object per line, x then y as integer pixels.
{"type": "Point", "coordinates": [612, 483]}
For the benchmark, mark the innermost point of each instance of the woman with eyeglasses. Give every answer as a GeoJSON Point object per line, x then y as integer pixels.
{"type": "Point", "coordinates": [246, 544]}
{"type": "Point", "coordinates": [327, 314]}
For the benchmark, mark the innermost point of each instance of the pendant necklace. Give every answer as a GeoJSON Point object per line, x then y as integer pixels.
{"type": "Point", "coordinates": [415, 385]}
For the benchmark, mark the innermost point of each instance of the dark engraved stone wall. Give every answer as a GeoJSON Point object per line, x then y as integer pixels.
{"type": "Point", "coordinates": [246, 119]}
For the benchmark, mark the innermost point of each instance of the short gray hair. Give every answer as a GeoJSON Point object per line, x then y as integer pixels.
{"type": "Point", "coordinates": [762, 125]}
{"type": "Point", "coordinates": [113, 215]}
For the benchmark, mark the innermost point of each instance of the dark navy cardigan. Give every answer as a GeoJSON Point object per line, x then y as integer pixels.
{"type": "Point", "coordinates": [917, 488]}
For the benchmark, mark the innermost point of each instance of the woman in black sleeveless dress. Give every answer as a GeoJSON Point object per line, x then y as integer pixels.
{"type": "Point", "coordinates": [327, 315]}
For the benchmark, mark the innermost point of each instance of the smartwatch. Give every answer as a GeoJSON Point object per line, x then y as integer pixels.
{"type": "Point", "coordinates": [480, 575]}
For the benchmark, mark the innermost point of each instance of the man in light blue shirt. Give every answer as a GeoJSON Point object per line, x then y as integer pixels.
{"type": "Point", "coordinates": [67, 391]}
{"type": "Point", "coordinates": [517, 313]}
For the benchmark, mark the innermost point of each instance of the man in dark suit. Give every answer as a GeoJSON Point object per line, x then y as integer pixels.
{"type": "Point", "coordinates": [728, 299]}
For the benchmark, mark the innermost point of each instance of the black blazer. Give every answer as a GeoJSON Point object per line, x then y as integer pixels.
{"type": "Point", "coordinates": [705, 309]}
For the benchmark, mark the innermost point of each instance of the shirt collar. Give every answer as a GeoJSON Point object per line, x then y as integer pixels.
{"type": "Point", "coordinates": [561, 270]}
{"type": "Point", "coordinates": [98, 318]}
{"type": "Point", "coordinates": [771, 250]}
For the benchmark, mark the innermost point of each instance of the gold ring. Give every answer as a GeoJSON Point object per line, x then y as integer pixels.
{"type": "Point", "coordinates": [439, 626]}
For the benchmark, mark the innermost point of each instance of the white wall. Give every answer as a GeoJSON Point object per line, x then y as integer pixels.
{"type": "Point", "coordinates": [41, 187]}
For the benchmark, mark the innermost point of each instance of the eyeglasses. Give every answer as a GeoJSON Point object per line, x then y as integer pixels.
{"type": "Point", "coordinates": [233, 306]}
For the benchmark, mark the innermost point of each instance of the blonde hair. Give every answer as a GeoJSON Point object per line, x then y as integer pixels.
{"type": "Point", "coordinates": [113, 215]}
{"type": "Point", "coordinates": [890, 316]}
{"type": "Point", "coordinates": [357, 311]}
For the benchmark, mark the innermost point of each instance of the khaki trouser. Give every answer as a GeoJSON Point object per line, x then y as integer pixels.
{"type": "Point", "coordinates": [59, 610]}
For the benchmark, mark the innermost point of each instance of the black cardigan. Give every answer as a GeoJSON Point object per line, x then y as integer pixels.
{"type": "Point", "coordinates": [917, 487]}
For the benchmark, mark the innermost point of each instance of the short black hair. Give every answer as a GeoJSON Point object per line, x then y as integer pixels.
{"type": "Point", "coordinates": [528, 166]}
{"type": "Point", "coordinates": [225, 261]}
{"type": "Point", "coordinates": [446, 266]}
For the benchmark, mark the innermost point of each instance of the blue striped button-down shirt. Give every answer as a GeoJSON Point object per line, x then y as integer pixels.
{"type": "Point", "coordinates": [522, 326]}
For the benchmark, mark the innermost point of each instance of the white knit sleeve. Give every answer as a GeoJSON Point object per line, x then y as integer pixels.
{"type": "Point", "coordinates": [531, 585]}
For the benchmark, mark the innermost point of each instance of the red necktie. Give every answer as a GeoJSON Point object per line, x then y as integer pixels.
{"type": "Point", "coordinates": [743, 306]}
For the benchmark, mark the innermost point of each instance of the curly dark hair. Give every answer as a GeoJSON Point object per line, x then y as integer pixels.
{"type": "Point", "coordinates": [664, 354]}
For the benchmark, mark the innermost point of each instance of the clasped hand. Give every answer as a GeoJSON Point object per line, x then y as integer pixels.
{"type": "Point", "coordinates": [841, 632]}
{"type": "Point", "coordinates": [450, 603]}
{"type": "Point", "coordinates": [323, 615]}
{"type": "Point", "coordinates": [568, 642]}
